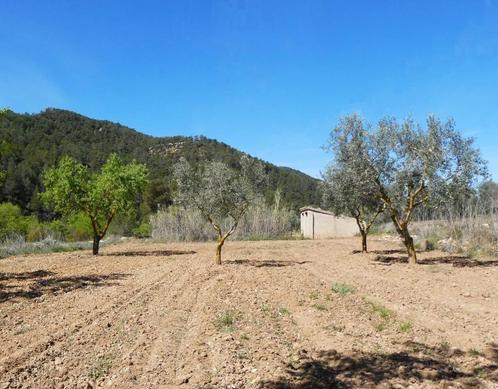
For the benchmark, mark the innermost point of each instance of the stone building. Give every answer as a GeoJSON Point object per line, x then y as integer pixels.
{"type": "Point", "coordinates": [319, 224]}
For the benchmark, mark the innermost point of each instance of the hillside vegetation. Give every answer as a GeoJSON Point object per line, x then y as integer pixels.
{"type": "Point", "coordinates": [37, 141]}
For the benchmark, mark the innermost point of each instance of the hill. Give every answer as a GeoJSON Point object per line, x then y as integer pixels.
{"type": "Point", "coordinates": [37, 141]}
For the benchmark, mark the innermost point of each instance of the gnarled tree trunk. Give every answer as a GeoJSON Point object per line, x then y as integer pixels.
{"type": "Point", "coordinates": [363, 232]}
{"type": "Point", "coordinates": [410, 247]}
{"type": "Point", "coordinates": [219, 245]}
{"type": "Point", "coordinates": [402, 230]}
{"type": "Point", "coordinates": [364, 248]}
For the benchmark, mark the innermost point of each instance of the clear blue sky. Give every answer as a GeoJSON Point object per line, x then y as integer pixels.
{"type": "Point", "coordinates": [268, 77]}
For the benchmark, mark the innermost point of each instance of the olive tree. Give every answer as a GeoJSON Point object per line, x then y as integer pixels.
{"type": "Point", "coordinates": [347, 187]}
{"type": "Point", "coordinates": [222, 194]}
{"type": "Point", "coordinates": [71, 187]}
{"type": "Point", "coordinates": [415, 167]}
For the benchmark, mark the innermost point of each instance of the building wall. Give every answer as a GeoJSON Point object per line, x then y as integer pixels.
{"type": "Point", "coordinates": [326, 226]}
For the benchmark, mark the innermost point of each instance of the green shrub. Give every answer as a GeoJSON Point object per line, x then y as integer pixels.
{"type": "Point", "coordinates": [35, 230]}
{"type": "Point", "coordinates": [12, 221]}
{"type": "Point", "coordinates": [79, 228]}
{"type": "Point", "coordinates": [342, 289]}
{"type": "Point", "coordinates": [142, 231]}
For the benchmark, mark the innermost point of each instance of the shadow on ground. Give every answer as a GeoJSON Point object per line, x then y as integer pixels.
{"type": "Point", "coordinates": [150, 253]}
{"type": "Point", "coordinates": [264, 262]}
{"type": "Point", "coordinates": [382, 252]}
{"type": "Point", "coordinates": [331, 369]}
{"type": "Point", "coordinates": [35, 284]}
{"type": "Point", "coordinates": [455, 260]}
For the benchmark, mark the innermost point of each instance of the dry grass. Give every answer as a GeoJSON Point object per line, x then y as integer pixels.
{"type": "Point", "coordinates": [188, 225]}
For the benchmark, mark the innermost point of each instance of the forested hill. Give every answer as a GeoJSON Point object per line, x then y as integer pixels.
{"type": "Point", "coordinates": [37, 141]}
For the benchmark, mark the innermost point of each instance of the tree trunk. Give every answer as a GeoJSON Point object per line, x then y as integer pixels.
{"type": "Point", "coordinates": [402, 229]}
{"type": "Point", "coordinates": [96, 243]}
{"type": "Point", "coordinates": [410, 247]}
{"type": "Point", "coordinates": [364, 248]}
{"type": "Point", "coordinates": [363, 232]}
{"type": "Point", "coordinates": [217, 258]}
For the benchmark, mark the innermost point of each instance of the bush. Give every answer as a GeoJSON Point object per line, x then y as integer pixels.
{"type": "Point", "coordinates": [78, 228]}
{"type": "Point", "coordinates": [142, 231]}
{"type": "Point", "coordinates": [12, 221]}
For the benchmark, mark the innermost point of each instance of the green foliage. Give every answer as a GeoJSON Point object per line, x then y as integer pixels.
{"type": "Point", "coordinates": [347, 187]}
{"type": "Point", "coordinates": [226, 321]}
{"type": "Point", "coordinates": [78, 227]}
{"type": "Point", "coordinates": [342, 289]}
{"type": "Point", "coordinates": [101, 368]}
{"type": "Point", "coordinates": [142, 231]}
{"type": "Point", "coordinates": [380, 310]}
{"type": "Point", "coordinates": [220, 193]}
{"type": "Point", "coordinates": [406, 326]}
{"type": "Point", "coordinates": [38, 141]}
{"type": "Point", "coordinates": [406, 167]}
{"type": "Point", "coordinates": [12, 221]}
{"type": "Point", "coordinates": [71, 188]}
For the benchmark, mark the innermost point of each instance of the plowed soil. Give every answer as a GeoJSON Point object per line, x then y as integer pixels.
{"type": "Point", "coordinates": [275, 314]}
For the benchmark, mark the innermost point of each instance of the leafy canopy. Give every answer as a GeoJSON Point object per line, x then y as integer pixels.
{"type": "Point", "coordinates": [412, 166]}
{"type": "Point", "coordinates": [72, 187]}
{"type": "Point", "coordinates": [347, 187]}
{"type": "Point", "coordinates": [218, 191]}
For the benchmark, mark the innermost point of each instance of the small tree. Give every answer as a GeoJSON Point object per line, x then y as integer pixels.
{"type": "Point", "coordinates": [71, 187]}
{"type": "Point", "coordinates": [345, 195]}
{"type": "Point", "coordinates": [220, 193]}
{"type": "Point", "coordinates": [347, 187]}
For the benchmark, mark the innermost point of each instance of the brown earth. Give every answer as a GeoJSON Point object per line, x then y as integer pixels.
{"type": "Point", "coordinates": [276, 314]}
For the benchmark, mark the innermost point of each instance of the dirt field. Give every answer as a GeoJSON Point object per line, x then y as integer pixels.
{"type": "Point", "coordinates": [276, 314]}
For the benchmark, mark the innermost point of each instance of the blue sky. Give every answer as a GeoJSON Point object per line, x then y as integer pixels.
{"type": "Point", "coordinates": [268, 77]}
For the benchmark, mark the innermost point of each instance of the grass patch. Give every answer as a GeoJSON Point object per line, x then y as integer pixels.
{"type": "Point", "coordinates": [342, 289]}
{"type": "Point", "coordinates": [444, 347]}
{"type": "Point", "coordinates": [383, 312]}
{"type": "Point", "coordinates": [474, 353]}
{"type": "Point", "coordinates": [320, 307]}
{"type": "Point", "coordinates": [266, 309]}
{"type": "Point", "coordinates": [383, 315]}
{"type": "Point", "coordinates": [406, 326]}
{"type": "Point", "coordinates": [226, 321]}
{"type": "Point", "coordinates": [282, 311]}
{"type": "Point", "coordinates": [314, 295]}
{"type": "Point", "coordinates": [273, 312]}
{"type": "Point", "coordinates": [244, 337]}
{"type": "Point", "coordinates": [101, 368]}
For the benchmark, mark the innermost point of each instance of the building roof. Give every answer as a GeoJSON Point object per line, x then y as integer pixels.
{"type": "Point", "coordinates": [317, 210]}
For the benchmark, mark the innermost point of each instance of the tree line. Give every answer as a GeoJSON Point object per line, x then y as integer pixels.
{"type": "Point", "coordinates": [30, 143]}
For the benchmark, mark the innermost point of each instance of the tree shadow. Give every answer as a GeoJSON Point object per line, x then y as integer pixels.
{"type": "Point", "coordinates": [264, 262]}
{"type": "Point", "coordinates": [421, 363]}
{"type": "Point", "coordinates": [381, 252]}
{"type": "Point", "coordinates": [455, 260]}
{"type": "Point", "coordinates": [149, 253]}
{"type": "Point", "coordinates": [43, 282]}
{"type": "Point", "coordinates": [26, 275]}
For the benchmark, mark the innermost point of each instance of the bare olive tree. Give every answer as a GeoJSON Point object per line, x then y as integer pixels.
{"type": "Point", "coordinates": [347, 187]}
{"type": "Point", "coordinates": [220, 193]}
